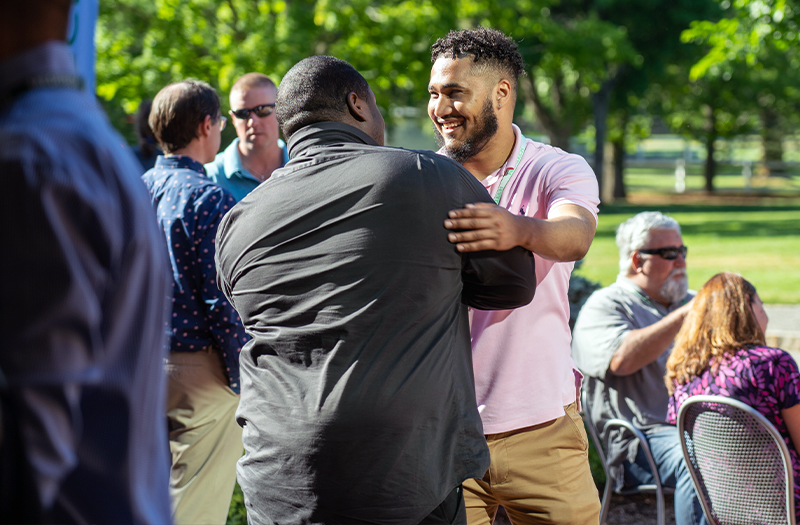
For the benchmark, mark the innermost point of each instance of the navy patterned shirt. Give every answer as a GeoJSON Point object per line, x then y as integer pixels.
{"type": "Point", "coordinates": [189, 207]}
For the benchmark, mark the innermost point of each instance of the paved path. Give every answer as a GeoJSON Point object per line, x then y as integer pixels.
{"type": "Point", "coordinates": [783, 329]}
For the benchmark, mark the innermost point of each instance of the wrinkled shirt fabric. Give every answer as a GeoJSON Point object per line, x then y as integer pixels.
{"type": "Point", "coordinates": [358, 401]}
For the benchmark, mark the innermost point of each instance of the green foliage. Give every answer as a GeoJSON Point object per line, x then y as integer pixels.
{"type": "Point", "coordinates": [237, 514]}
{"type": "Point", "coordinates": [143, 45]}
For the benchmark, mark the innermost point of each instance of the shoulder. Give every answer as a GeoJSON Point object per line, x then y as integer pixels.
{"type": "Point", "coordinates": [766, 354]}
{"type": "Point", "coordinates": [614, 293]}
{"type": "Point", "coordinates": [555, 161]}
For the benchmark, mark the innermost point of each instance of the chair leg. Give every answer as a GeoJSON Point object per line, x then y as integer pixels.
{"type": "Point", "coordinates": [660, 506]}
{"type": "Point", "coordinates": [606, 502]}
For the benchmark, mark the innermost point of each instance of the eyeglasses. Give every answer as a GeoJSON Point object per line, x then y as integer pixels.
{"type": "Point", "coordinates": [668, 252]}
{"type": "Point", "coordinates": [264, 110]}
{"type": "Point", "coordinates": [222, 122]}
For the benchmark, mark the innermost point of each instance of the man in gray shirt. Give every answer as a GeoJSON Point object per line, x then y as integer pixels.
{"type": "Point", "coordinates": [358, 401]}
{"type": "Point", "coordinates": [621, 341]}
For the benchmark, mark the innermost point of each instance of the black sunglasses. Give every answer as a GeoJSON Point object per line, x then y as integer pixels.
{"type": "Point", "coordinates": [668, 252]}
{"type": "Point", "coordinates": [264, 110]}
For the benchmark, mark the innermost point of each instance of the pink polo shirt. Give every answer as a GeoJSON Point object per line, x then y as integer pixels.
{"type": "Point", "coordinates": [524, 374]}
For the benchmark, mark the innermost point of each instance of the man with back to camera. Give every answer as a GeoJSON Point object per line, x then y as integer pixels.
{"type": "Point", "coordinates": [206, 334]}
{"type": "Point", "coordinates": [526, 383]}
{"type": "Point", "coordinates": [357, 398]}
{"type": "Point", "coordinates": [622, 339]}
{"type": "Point", "coordinates": [257, 151]}
{"type": "Point", "coordinates": [84, 295]}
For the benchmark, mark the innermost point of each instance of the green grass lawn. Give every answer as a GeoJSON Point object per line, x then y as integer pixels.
{"type": "Point", "coordinates": [760, 242]}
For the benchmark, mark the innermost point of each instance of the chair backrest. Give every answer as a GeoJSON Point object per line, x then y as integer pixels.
{"type": "Point", "coordinates": [740, 465]}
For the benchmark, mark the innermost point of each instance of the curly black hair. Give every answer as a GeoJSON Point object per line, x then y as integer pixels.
{"type": "Point", "coordinates": [483, 44]}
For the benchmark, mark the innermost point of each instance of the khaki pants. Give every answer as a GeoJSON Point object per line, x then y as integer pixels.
{"type": "Point", "coordinates": [540, 474]}
{"type": "Point", "coordinates": [204, 438]}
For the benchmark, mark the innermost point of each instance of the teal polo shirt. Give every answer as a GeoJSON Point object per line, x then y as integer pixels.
{"type": "Point", "coordinates": [228, 172]}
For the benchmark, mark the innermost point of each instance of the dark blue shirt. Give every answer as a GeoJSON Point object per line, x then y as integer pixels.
{"type": "Point", "coordinates": [189, 207]}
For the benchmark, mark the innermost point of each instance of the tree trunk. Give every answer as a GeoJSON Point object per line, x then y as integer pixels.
{"type": "Point", "coordinates": [600, 104]}
{"type": "Point", "coordinates": [559, 135]}
{"type": "Point", "coordinates": [710, 165]}
{"type": "Point", "coordinates": [772, 141]}
{"type": "Point", "coordinates": [619, 168]}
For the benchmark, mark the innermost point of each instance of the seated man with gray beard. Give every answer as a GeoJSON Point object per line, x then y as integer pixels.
{"type": "Point", "coordinates": [621, 342]}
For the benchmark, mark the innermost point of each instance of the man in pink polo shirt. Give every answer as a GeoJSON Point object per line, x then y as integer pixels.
{"type": "Point", "coordinates": [526, 383]}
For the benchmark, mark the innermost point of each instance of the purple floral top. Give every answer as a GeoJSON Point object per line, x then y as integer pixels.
{"type": "Point", "coordinates": [767, 379]}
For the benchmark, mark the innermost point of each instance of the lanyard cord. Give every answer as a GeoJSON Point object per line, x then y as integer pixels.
{"type": "Point", "coordinates": [510, 171]}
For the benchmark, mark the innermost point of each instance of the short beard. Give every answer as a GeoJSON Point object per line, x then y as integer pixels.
{"type": "Point", "coordinates": [480, 137]}
{"type": "Point", "coordinates": [673, 290]}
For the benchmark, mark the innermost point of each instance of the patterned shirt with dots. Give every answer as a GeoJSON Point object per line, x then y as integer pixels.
{"type": "Point", "coordinates": [189, 207]}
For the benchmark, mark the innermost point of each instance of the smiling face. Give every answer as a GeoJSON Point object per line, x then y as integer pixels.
{"type": "Point", "coordinates": [255, 132]}
{"type": "Point", "coordinates": [461, 107]}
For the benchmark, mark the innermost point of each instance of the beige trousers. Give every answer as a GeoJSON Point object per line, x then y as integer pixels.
{"type": "Point", "coordinates": [540, 474]}
{"type": "Point", "coordinates": [204, 438]}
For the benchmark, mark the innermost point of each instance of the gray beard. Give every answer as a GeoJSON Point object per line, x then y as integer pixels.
{"type": "Point", "coordinates": [673, 290]}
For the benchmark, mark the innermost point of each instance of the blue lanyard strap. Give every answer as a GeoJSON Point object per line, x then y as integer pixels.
{"type": "Point", "coordinates": [510, 171]}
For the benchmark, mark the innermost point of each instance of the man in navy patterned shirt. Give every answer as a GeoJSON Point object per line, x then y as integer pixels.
{"type": "Point", "coordinates": [206, 335]}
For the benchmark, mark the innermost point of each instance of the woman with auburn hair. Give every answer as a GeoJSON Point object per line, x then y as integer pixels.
{"type": "Point", "coordinates": [720, 350]}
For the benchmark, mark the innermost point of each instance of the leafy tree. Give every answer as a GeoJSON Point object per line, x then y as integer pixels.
{"type": "Point", "coordinates": [658, 45]}
{"type": "Point", "coordinates": [144, 45]}
{"type": "Point", "coordinates": [761, 36]}
{"type": "Point", "coordinates": [708, 109]}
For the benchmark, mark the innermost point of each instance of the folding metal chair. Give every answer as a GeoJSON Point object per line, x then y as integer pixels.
{"type": "Point", "coordinates": [740, 465]}
{"type": "Point", "coordinates": [602, 451]}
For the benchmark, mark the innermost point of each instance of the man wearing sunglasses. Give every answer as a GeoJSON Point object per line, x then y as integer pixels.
{"type": "Point", "coordinates": [621, 342]}
{"type": "Point", "coordinates": [205, 333]}
{"type": "Point", "coordinates": [257, 151]}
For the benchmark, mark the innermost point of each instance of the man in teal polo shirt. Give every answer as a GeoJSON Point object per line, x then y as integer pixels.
{"type": "Point", "coordinates": [257, 151]}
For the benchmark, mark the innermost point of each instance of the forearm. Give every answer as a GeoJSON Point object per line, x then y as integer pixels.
{"type": "Point", "coordinates": [563, 238]}
{"type": "Point", "coordinates": [643, 346]}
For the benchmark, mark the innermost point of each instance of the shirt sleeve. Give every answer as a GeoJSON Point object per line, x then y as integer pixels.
{"type": "Point", "coordinates": [222, 320]}
{"type": "Point", "coordinates": [601, 326]}
{"type": "Point", "coordinates": [572, 181]}
{"type": "Point", "coordinates": [495, 280]}
{"type": "Point", "coordinates": [787, 380]}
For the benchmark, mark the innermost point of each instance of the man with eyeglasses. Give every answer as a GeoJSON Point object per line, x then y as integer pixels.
{"type": "Point", "coordinates": [257, 151]}
{"type": "Point", "coordinates": [206, 334]}
{"type": "Point", "coordinates": [621, 342]}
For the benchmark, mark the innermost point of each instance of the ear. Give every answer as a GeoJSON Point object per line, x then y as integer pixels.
{"type": "Point", "coordinates": [637, 261]}
{"type": "Point", "coordinates": [357, 107]}
{"type": "Point", "coordinates": [204, 128]}
{"type": "Point", "coordinates": [502, 94]}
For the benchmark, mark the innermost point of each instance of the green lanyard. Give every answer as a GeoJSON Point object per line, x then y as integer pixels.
{"type": "Point", "coordinates": [510, 171]}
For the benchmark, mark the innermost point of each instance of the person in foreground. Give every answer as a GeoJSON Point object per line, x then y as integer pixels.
{"type": "Point", "coordinates": [526, 383]}
{"type": "Point", "coordinates": [205, 335]}
{"type": "Point", "coordinates": [84, 296]}
{"type": "Point", "coordinates": [357, 392]}
{"type": "Point", "coordinates": [621, 341]}
{"type": "Point", "coordinates": [256, 151]}
{"type": "Point", "coordinates": [720, 350]}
